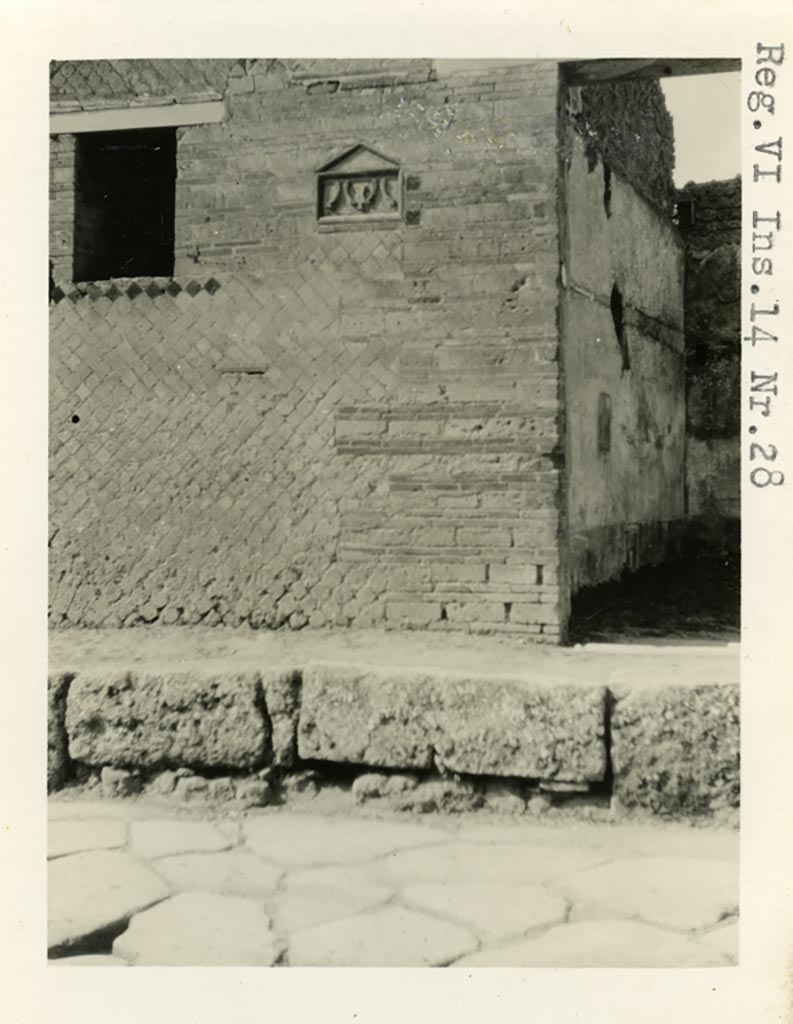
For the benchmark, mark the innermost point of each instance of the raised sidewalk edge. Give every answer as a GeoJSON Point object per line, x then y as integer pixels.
{"type": "Point", "coordinates": [662, 731]}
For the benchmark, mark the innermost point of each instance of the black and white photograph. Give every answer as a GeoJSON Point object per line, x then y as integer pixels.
{"type": "Point", "coordinates": [399, 501]}
{"type": "Point", "coordinates": [394, 513]}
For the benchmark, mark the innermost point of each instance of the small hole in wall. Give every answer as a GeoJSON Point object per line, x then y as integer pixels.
{"type": "Point", "coordinates": [444, 616]}
{"type": "Point", "coordinates": [540, 572]}
{"type": "Point", "coordinates": [618, 316]}
{"type": "Point", "coordinates": [604, 423]}
{"type": "Point", "coordinates": [507, 610]}
{"type": "Point", "coordinates": [75, 419]}
{"type": "Point", "coordinates": [326, 87]}
{"type": "Point", "coordinates": [607, 189]}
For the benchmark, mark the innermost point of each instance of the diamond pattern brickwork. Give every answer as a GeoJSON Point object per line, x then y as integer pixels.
{"type": "Point", "coordinates": [200, 481]}
{"type": "Point", "coordinates": [98, 82]}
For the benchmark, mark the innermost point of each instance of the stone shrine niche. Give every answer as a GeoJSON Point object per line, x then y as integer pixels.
{"type": "Point", "coordinates": [361, 186]}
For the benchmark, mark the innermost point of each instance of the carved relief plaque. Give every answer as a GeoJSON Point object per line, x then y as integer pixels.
{"type": "Point", "coordinates": [360, 186]}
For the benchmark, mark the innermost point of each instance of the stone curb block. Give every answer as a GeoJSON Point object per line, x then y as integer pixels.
{"type": "Point", "coordinates": [676, 750]}
{"type": "Point", "coordinates": [477, 726]}
{"type": "Point", "coordinates": [58, 762]}
{"type": "Point", "coordinates": [168, 719]}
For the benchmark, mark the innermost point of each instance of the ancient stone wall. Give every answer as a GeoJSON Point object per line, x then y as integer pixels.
{"type": "Point", "coordinates": [628, 127]}
{"type": "Point", "coordinates": [710, 223]}
{"type": "Point", "coordinates": [318, 422]}
{"type": "Point", "coordinates": [623, 347]}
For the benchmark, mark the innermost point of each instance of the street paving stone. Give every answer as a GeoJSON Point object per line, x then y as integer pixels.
{"type": "Point", "coordinates": [163, 837]}
{"type": "Point", "coordinates": [92, 891]}
{"type": "Point", "coordinates": [299, 839]}
{"type": "Point", "coordinates": [496, 910]}
{"type": "Point", "coordinates": [678, 892]}
{"type": "Point", "coordinates": [651, 838]}
{"type": "Point", "coordinates": [331, 885]}
{"type": "Point", "coordinates": [232, 872]}
{"type": "Point", "coordinates": [600, 944]}
{"type": "Point", "coordinates": [64, 837]}
{"type": "Point", "coordinates": [390, 937]}
{"type": "Point", "coordinates": [517, 864]}
{"type": "Point", "coordinates": [200, 930]}
{"type": "Point", "coordinates": [724, 939]}
{"type": "Point", "coordinates": [319, 895]}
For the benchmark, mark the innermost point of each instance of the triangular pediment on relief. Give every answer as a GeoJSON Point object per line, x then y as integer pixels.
{"type": "Point", "coordinates": [360, 159]}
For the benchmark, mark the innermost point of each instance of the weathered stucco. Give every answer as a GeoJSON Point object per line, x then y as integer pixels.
{"type": "Point", "coordinates": [623, 355]}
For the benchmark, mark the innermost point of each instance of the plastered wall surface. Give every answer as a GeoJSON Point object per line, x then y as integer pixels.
{"type": "Point", "coordinates": [317, 425]}
{"type": "Point", "coordinates": [625, 474]}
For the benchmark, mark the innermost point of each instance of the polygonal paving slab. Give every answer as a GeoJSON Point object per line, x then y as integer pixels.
{"type": "Point", "coordinates": [678, 892]}
{"type": "Point", "coordinates": [319, 895]}
{"type": "Point", "coordinates": [469, 862]}
{"type": "Point", "coordinates": [165, 837]}
{"type": "Point", "coordinates": [65, 837]}
{"type": "Point", "coordinates": [600, 944]}
{"type": "Point", "coordinates": [88, 892]}
{"type": "Point", "coordinates": [294, 839]}
{"type": "Point", "coordinates": [651, 838]}
{"type": "Point", "coordinates": [389, 937]}
{"type": "Point", "coordinates": [234, 872]}
{"type": "Point", "coordinates": [200, 930]}
{"type": "Point", "coordinates": [725, 940]}
{"type": "Point", "coordinates": [496, 910]}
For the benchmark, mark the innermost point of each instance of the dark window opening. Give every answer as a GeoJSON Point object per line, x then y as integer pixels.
{"type": "Point", "coordinates": [618, 316]}
{"type": "Point", "coordinates": [125, 187]}
{"type": "Point", "coordinates": [684, 214]}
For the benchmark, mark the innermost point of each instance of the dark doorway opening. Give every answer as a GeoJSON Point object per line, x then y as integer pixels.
{"type": "Point", "coordinates": [124, 204]}
{"type": "Point", "coordinates": [696, 597]}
